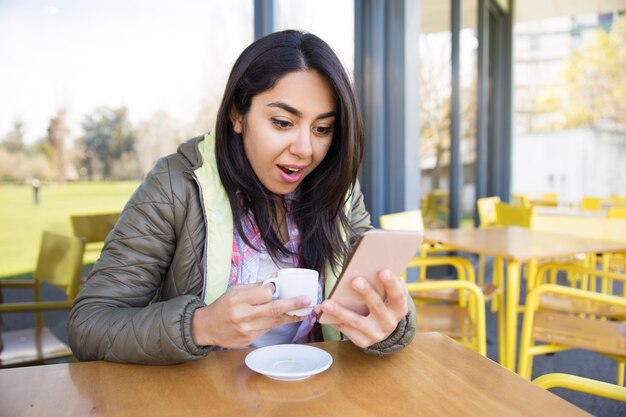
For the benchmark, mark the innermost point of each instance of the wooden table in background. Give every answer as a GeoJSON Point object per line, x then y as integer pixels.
{"type": "Point", "coordinates": [434, 376]}
{"type": "Point", "coordinates": [516, 245]}
{"type": "Point", "coordinates": [591, 224]}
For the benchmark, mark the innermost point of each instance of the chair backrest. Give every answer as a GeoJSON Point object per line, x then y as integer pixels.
{"type": "Point", "coordinates": [617, 200]}
{"type": "Point", "coordinates": [93, 227]}
{"type": "Point", "coordinates": [549, 199]}
{"type": "Point", "coordinates": [509, 215]}
{"type": "Point", "coordinates": [617, 213]}
{"type": "Point", "coordinates": [582, 384]}
{"type": "Point", "coordinates": [405, 220]}
{"type": "Point", "coordinates": [487, 211]}
{"type": "Point", "coordinates": [435, 207]}
{"type": "Point", "coordinates": [587, 318]}
{"type": "Point", "coordinates": [592, 203]}
{"type": "Point", "coordinates": [60, 262]}
{"type": "Point", "coordinates": [521, 200]}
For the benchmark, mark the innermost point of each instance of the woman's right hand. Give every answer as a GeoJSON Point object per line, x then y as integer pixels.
{"type": "Point", "coordinates": [241, 315]}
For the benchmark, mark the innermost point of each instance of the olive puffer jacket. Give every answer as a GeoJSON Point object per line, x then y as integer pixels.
{"type": "Point", "coordinates": [139, 298]}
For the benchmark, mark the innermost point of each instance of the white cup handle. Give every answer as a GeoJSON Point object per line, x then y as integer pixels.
{"type": "Point", "coordinates": [274, 281]}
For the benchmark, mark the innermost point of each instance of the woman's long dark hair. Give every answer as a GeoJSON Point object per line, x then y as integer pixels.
{"type": "Point", "coordinates": [319, 208]}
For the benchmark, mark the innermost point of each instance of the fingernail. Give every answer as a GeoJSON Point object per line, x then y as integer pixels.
{"type": "Point", "coordinates": [359, 283]}
{"type": "Point", "coordinates": [328, 306]}
{"type": "Point", "coordinates": [305, 301]}
{"type": "Point", "coordinates": [385, 275]}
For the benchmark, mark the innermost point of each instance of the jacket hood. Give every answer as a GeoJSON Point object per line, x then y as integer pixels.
{"type": "Point", "coordinates": [189, 150]}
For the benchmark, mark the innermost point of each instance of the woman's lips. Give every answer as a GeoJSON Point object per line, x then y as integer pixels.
{"type": "Point", "coordinates": [291, 173]}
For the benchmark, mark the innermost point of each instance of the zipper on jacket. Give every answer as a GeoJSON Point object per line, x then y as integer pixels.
{"type": "Point", "coordinates": [204, 271]}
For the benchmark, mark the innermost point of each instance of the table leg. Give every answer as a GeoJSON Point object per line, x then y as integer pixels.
{"type": "Point", "coordinates": [497, 306]}
{"type": "Point", "coordinates": [512, 301]}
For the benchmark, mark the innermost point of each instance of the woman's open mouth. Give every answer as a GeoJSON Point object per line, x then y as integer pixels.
{"type": "Point", "coordinates": [291, 173]}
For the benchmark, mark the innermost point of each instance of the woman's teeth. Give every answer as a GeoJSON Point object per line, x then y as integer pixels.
{"type": "Point", "coordinates": [290, 171]}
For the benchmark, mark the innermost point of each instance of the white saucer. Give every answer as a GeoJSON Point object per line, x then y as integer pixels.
{"type": "Point", "coordinates": [289, 362]}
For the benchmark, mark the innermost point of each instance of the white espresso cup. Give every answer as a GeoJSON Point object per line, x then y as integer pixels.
{"type": "Point", "coordinates": [295, 282]}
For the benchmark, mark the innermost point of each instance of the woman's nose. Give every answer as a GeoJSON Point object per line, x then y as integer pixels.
{"type": "Point", "coordinates": [302, 146]}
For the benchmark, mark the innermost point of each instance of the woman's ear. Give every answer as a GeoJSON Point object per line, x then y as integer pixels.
{"type": "Point", "coordinates": [237, 120]}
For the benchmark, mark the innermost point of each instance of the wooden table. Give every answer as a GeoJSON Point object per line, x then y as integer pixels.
{"type": "Point", "coordinates": [585, 224]}
{"type": "Point", "coordinates": [516, 245]}
{"type": "Point", "coordinates": [434, 376]}
{"type": "Point", "coordinates": [567, 211]}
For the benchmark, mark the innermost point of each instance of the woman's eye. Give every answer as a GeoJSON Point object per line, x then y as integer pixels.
{"type": "Point", "coordinates": [282, 124]}
{"type": "Point", "coordinates": [323, 130]}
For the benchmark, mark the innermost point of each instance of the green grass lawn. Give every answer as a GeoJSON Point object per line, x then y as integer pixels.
{"type": "Point", "coordinates": [21, 221]}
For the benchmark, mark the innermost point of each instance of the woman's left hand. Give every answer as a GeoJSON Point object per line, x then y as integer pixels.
{"type": "Point", "coordinates": [384, 314]}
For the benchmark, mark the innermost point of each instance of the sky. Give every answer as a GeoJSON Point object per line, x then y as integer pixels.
{"type": "Point", "coordinates": [148, 55]}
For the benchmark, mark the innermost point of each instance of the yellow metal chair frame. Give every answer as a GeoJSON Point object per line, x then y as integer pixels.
{"type": "Point", "coordinates": [582, 384]}
{"type": "Point", "coordinates": [561, 311]}
{"type": "Point", "coordinates": [464, 319]}
{"type": "Point", "coordinates": [59, 263]}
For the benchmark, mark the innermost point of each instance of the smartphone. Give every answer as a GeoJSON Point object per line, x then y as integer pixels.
{"type": "Point", "coordinates": [376, 250]}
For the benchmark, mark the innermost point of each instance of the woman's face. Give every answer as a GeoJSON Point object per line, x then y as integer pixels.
{"type": "Point", "coordinates": [288, 129]}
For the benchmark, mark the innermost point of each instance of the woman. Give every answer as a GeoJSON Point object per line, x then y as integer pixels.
{"type": "Point", "coordinates": [276, 187]}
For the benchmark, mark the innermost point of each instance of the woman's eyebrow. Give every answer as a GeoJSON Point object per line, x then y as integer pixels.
{"type": "Point", "coordinates": [297, 112]}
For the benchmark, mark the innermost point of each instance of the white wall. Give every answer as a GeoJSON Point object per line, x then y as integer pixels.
{"type": "Point", "coordinates": [572, 163]}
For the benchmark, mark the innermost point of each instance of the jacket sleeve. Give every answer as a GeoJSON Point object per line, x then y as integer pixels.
{"type": "Point", "coordinates": [405, 331]}
{"type": "Point", "coordinates": [115, 317]}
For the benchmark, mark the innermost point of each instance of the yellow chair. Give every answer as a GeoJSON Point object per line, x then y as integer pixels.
{"type": "Point", "coordinates": [567, 318]}
{"type": "Point", "coordinates": [487, 211]}
{"type": "Point", "coordinates": [520, 200]}
{"type": "Point", "coordinates": [508, 215]}
{"type": "Point", "coordinates": [617, 200]}
{"type": "Point", "coordinates": [59, 263]}
{"type": "Point", "coordinates": [582, 384]}
{"type": "Point", "coordinates": [93, 228]}
{"type": "Point", "coordinates": [486, 208]}
{"type": "Point", "coordinates": [463, 320]}
{"type": "Point", "coordinates": [592, 203]}
{"type": "Point", "coordinates": [435, 208]}
{"type": "Point", "coordinates": [617, 213]}
{"type": "Point", "coordinates": [548, 199]}
{"type": "Point", "coordinates": [405, 220]}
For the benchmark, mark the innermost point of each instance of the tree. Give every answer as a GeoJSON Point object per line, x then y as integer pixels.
{"type": "Point", "coordinates": [158, 136]}
{"type": "Point", "coordinates": [435, 105]}
{"type": "Point", "coordinates": [435, 90]}
{"type": "Point", "coordinates": [57, 136]}
{"type": "Point", "coordinates": [596, 79]}
{"type": "Point", "coordinates": [13, 142]}
{"type": "Point", "coordinates": [109, 136]}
